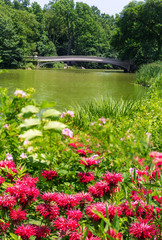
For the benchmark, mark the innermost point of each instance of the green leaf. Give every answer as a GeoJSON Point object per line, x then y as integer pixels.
{"type": "Point", "coordinates": [15, 237]}
{"type": "Point", "coordinates": [54, 125]}
{"type": "Point", "coordinates": [51, 113]}
{"type": "Point", "coordinates": [30, 122]}
{"type": "Point", "coordinates": [31, 133]}
{"type": "Point", "coordinates": [85, 234]}
{"type": "Point", "coordinates": [46, 104]}
{"type": "Point", "coordinates": [30, 109]}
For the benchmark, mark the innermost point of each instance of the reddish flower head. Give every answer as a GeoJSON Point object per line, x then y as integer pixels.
{"type": "Point", "coordinates": [114, 235]}
{"type": "Point", "coordinates": [49, 174]}
{"type": "Point", "coordinates": [17, 215]}
{"type": "Point", "coordinates": [65, 225]}
{"type": "Point", "coordinates": [86, 177]}
{"type": "Point", "coordinates": [7, 201]}
{"type": "Point", "coordinates": [101, 207]}
{"type": "Point", "coordinates": [3, 226]}
{"type": "Point", "coordinates": [142, 230]}
{"type": "Point", "coordinates": [41, 232]}
{"type": "Point", "coordinates": [25, 231]}
{"type": "Point", "coordinates": [74, 214]}
{"type": "Point", "coordinates": [50, 211]}
{"type": "Point", "coordinates": [88, 161]}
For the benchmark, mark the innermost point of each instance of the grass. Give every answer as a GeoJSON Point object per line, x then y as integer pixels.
{"type": "Point", "coordinates": [147, 73]}
{"type": "Point", "coordinates": [107, 107]}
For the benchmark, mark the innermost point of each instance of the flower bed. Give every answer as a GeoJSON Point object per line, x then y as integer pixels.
{"type": "Point", "coordinates": [61, 182]}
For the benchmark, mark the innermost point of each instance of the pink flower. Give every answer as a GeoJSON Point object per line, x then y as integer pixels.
{"type": "Point", "coordinates": [70, 113]}
{"type": "Point", "coordinates": [103, 120]}
{"type": "Point", "coordinates": [63, 115]}
{"type": "Point", "coordinates": [67, 132]}
{"type": "Point", "coordinates": [6, 126]}
{"type": "Point", "coordinates": [20, 93]}
{"type": "Point", "coordinates": [23, 156]}
{"type": "Point", "coordinates": [9, 157]}
{"type": "Point", "coordinates": [25, 231]}
{"type": "Point", "coordinates": [142, 230]}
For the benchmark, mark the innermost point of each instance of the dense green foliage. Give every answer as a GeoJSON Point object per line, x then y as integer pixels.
{"type": "Point", "coordinates": [138, 34]}
{"type": "Point", "coordinates": [41, 169]}
{"type": "Point", "coordinates": [147, 74]}
{"type": "Point", "coordinates": [64, 28]}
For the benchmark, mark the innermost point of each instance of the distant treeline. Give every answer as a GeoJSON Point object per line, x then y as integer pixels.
{"type": "Point", "coordinates": [63, 28]}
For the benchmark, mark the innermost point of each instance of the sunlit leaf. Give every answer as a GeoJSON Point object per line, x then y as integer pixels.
{"type": "Point", "coordinates": [30, 122]}
{"type": "Point", "coordinates": [30, 109]}
{"type": "Point", "coordinates": [51, 113]}
{"type": "Point", "coordinates": [31, 133]}
{"type": "Point", "coordinates": [54, 125]}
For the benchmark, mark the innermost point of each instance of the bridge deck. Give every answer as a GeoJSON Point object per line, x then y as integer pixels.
{"type": "Point", "coordinates": [73, 58]}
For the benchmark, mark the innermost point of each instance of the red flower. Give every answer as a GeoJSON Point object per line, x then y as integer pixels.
{"type": "Point", "coordinates": [114, 235]}
{"type": "Point", "coordinates": [2, 179]}
{"type": "Point", "coordinates": [101, 207]}
{"type": "Point", "coordinates": [67, 201]}
{"type": "Point", "coordinates": [83, 198]}
{"type": "Point", "coordinates": [84, 152]}
{"type": "Point", "coordinates": [65, 225]}
{"type": "Point", "coordinates": [49, 174]}
{"type": "Point", "coordinates": [50, 211]}
{"type": "Point", "coordinates": [41, 232]}
{"type": "Point", "coordinates": [112, 178]}
{"type": "Point", "coordinates": [74, 214]}
{"type": "Point", "coordinates": [17, 215]}
{"type": "Point", "coordinates": [142, 230]}
{"type": "Point", "coordinates": [100, 189]}
{"type": "Point", "coordinates": [7, 201]}
{"type": "Point", "coordinates": [125, 209]}
{"type": "Point", "coordinates": [23, 192]}
{"type": "Point", "coordinates": [25, 231]}
{"type": "Point", "coordinates": [158, 199]}
{"type": "Point", "coordinates": [73, 145]}
{"type": "Point", "coordinates": [81, 152]}
{"type": "Point", "coordinates": [3, 226]}
{"type": "Point", "coordinates": [86, 177]}
{"type": "Point", "coordinates": [50, 197]}
{"type": "Point", "coordinates": [88, 161]}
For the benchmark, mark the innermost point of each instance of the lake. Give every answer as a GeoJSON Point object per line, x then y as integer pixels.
{"type": "Point", "coordinates": [69, 87]}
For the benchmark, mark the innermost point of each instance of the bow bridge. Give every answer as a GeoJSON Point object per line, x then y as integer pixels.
{"type": "Point", "coordinates": [126, 65]}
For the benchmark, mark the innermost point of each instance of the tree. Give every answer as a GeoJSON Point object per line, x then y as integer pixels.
{"type": "Point", "coordinates": [60, 21]}
{"type": "Point", "coordinates": [138, 34]}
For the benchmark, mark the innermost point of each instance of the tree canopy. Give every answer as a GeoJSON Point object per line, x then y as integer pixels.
{"type": "Point", "coordinates": [64, 27]}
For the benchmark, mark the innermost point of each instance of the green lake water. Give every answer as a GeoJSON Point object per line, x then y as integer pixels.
{"type": "Point", "coordinates": [70, 87]}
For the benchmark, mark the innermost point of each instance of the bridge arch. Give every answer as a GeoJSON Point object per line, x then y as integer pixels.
{"type": "Point", "coordinates": [126, 65]}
